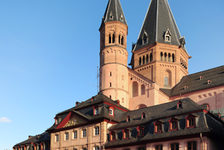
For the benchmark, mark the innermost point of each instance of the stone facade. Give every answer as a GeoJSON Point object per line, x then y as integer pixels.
{"type": "Point", "coordinates": [93, 139]}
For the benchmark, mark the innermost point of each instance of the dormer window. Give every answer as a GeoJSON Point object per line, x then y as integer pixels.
{"type": "Point", "coordinates": [190, 121]}
{"type": "Point", "coordinates": [140, 131]}
{"type": "Point", "coordinates": [96, 110]}
{"type": "Point", "coordinates": [112, 136]}
{"type": "Point", "coordinates": [144, 38]}
{"type": "Point", "coordinates": [125, 134]}
{"type": "Point", "coordinates": [122, 18]}
{"type": "Point", "coordinates": [128, 119]}
{"type": "Point", "coordinates": [111, 111]}
{"type": "Point", "coordinates": [173, 124]}
{"type": "Point", "coordinates": [179, 105]}
{"type": "Point", "coordinates": [167, 36]}
{"type": "Point", "coordinates": [111, 16]}
{"type": "Point", "coordinates": [158, 127]}
{"type": "Point", "coordinates": [143, 115]}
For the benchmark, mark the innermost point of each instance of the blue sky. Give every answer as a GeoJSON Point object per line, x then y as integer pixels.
{"type": "Point", "coordinates": [49, 53]}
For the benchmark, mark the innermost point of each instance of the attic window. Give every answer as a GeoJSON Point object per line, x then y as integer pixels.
{"type": "Point", "coordinates": [122, 18]}
{"type": "Point", "coordinates": [112, 136]}
{"type": "Point", "coordinates": [179, 105]}
{"type": "Point", "coordinates": [111, 111]}
{"type": "Point", "coordinates": [128, 119]}
{"type": "Point", "coordinates": [209, 81]}
{"type": "Point", "coordinates": [140, 131]}
{"type": "Point", "coordinates": [96, 110]}
{"type": "Point", "coordinates": [111, 16]}
{"type": "Point", "coordinates": [201, 77]}
{"type": "Point", "coordinates": [190, 121]}
{"type": "Point", "coordinates": [173, 124]}
{"type": "Point", "coordinates": [144, 38]}
{"type": "Point", "coordinates": [143, 115]}
{"type": "Point", "coordinates": [167, 36]}
{"type": "Point", "coordinates": [158, 127]}
{"type": "Point", "coordinates": [126, 134]}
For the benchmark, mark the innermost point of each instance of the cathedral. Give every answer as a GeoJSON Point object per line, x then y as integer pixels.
{"type": "Point", "coordinates": [149, 103]}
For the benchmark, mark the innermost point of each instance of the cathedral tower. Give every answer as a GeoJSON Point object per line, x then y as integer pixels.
{"type": "Point", "coordinates": [113, 54]}
{"type": "Point", "coordinates": [160, 53]}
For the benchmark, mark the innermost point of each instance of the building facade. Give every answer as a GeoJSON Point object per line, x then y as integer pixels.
{"type": "Point", "coordinates": [154, 104]}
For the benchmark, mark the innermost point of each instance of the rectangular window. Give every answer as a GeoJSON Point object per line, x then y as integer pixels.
{"type": "Point", "coordinates": [56, 137]}
{"type": "Point", "coordinates": [192, 145]}
{"type": "Point", "coordinates": [96, 111]}
{"type": "Point", "coordinates": [66, 136]}
{"type": "Point", "coordinates": [191, 122]}
{"type": "Point", "coordinates": [142, 148]}
{"type": "Point", "coordinates": [96, 148]}
{"type": "Point", "coordinates": [125, 134]}
{"type": "Point", "coordinates": [97, 130]}
{"type": "Point", "coordinates": [159, 147]}
{"type": "Point", "coordinates": [174, 146]}
{"type": "Point", "coordinates": [83, 132]}
{"type": "Point", "coordinates": [75, 134]}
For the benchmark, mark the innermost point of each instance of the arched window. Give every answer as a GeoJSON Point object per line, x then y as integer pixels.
{"type": "Point", "coordinates": [135, 89]}
{"type": "Point", "coordinates": [167, 78]}
{"type": "Point", "coordinates": [113, 38]}
{"type": "Point", "coordinates": [147, 58]}
{"type": "Point", "coordinates": [151, 57]}
{"type": "Point", "coordinates": [140, 61]}
{"type": "Point", "coordinates": [173, 57]}
{"type": "Point", "coordinates": [143, 115]}
{"type": "Point", "coordinates": [119, 39]}
{"type": "Point", "coordinates": [165, 57]}
{"type": "Point", "coordinates": [143, 60]}
{"type": "Point", "coordinates": [122, 40]}
{"type": "Point", "coordinates": [142, 89]}
{"type": "Point", "coordinates": [110, 39]}
{"type": "Point", "coordinates": [169, 57]}
{"type": "Point", "coordinates": [161, 56]}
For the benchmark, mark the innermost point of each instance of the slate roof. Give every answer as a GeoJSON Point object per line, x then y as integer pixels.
{"type": "Point", "coordinates": [198, 81]}
{"type": "Point", "coordinates": [44, 137]}
{"type": "Point", "coordinates": [140, 75]}
{"type": "Point", "coordinates": [162, 111]}
{"type": "Point", "coordinates": [206, 123]}
{"type": "Point", "coordinates": [85, 110]}
{"type": "Point", "coordinates": [99, 98]}
{"type": "Point", "coordinates": [114, 12]}
{"type": "Point", "coordinates": [158, 20]}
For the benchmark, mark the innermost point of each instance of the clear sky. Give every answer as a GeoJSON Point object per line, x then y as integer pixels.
{"type": "Point", "coordinates": [49, 53]}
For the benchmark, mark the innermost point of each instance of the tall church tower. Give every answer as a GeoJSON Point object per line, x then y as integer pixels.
{"type": "Point", "coordinates": [113, 54]}
{"type": "Point", "coordinates": [160, 53]}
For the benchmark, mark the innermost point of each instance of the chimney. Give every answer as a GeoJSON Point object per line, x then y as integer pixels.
{"type": "Point", "coordinates": [77, 103]}
{"type": "Point", "coordinates": [118, 102]}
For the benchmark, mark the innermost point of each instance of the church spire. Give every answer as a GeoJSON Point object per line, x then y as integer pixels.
{"type": "Point", "coordinates": [159, 26]}
{"type": "Point", "coordinates": [114, 12]}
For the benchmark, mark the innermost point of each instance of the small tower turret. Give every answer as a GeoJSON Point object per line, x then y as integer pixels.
{"type": "Point", "coordinates": [113, 54]}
